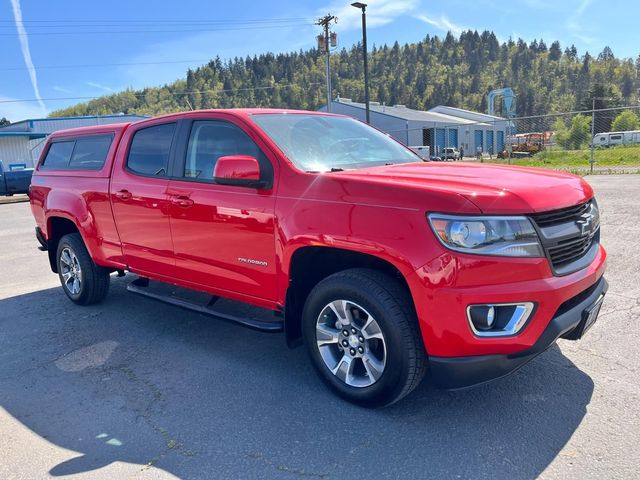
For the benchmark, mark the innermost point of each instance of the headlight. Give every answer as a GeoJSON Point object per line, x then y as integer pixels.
{"type": "Point", "coordinates": [595, 214]}
{"type": "Point", "coordinates": [505, 236]}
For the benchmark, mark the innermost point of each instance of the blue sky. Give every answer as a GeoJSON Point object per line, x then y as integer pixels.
{"type": "Point", "coordinates": [192, 31]}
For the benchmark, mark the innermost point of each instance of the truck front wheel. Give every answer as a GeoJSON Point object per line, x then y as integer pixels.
{"type": "Point", "coordinates": [362, 336]}
{"type": "Point", "coordinates": [82, 280]}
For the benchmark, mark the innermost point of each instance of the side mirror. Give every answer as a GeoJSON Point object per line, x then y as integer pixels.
{"type": "Point", "coordinates": [238, 170]}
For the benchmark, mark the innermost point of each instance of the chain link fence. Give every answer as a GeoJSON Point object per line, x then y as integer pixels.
{"type": "Point", "coordinates": [591, 141]}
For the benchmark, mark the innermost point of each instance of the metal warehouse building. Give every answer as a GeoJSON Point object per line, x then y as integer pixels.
{"type": "Point", "coordinates": [438, 128]}
{"type": "Point", "coordinates": [22, 142]}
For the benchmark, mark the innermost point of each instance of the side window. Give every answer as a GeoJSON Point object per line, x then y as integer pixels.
{"type": "Point", "coordinates": [212, 139]}
{"type": "Point", "coordinates": [149, 150]}
{"type": "Point", "coordinates": [90, 152]}
{"type": "Point", "coordinates": [58, 156]}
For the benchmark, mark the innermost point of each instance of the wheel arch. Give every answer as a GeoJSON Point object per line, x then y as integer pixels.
{"type": "Point", "coordinates": [58, 226]}
{"type": "Point", "coordinates": [309, 265]}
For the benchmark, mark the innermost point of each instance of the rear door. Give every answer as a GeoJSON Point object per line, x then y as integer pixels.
{"type": "Point", "coordinates": [139, 197]}
{"type": "Point", "coordinates": [223, 236]}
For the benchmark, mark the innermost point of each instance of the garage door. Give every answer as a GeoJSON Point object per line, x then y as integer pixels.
{"type": "Point", "coordinates": [440, 139]}
{"type": "Point", "coordinates": [453, 138]}
{"type": "Point", "coordinates": [500, 141]}
{"type": "Point", "coordinates": [490, 141]}
{"type": "Point", "coordinates": [477, 135]}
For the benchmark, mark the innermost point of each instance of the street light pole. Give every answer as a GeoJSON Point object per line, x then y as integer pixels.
{"type": "Point", "coordinates": [363, 7]}
{"type": "Point", "coordinates": [593, 134]}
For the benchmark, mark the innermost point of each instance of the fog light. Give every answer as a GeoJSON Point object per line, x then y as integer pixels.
{"type": "Point", "coordinates": [499, 320]}
{"type": "Point", "coordinates": [483, 316]}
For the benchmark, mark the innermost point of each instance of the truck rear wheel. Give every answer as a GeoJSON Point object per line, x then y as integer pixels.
{"type": "Point", "coordinates": [82, 280]}
{"type": "Point", "coordinates": [362, 336]}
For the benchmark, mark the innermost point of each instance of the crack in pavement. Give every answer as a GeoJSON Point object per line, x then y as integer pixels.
{"type": "Point", "coordinates": [300, 472]}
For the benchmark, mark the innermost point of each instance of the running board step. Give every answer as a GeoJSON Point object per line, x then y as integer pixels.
{"type": "Point", "coordinates": [252, 317]}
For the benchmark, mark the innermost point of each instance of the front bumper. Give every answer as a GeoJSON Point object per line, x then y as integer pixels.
{"type": "Point", "coordinates": [568, 322]}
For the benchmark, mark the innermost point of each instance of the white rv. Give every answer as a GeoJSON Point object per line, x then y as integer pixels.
{"type": "Point", "coordinates": [610, 139]}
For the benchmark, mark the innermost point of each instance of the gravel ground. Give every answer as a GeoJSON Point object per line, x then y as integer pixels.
{"type": "Point", "coordinates": [133, 388]}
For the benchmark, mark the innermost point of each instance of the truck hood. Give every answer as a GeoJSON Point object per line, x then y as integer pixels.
{"type": "Point", "coordinates": [494, 189]}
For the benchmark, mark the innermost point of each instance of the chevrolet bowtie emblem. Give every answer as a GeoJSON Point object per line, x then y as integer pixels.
{"type": "Point", "coordinates": [585, 224]}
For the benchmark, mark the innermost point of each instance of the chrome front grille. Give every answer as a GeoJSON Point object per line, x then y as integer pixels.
{"type": "Point", "coordinates": [569, 236]}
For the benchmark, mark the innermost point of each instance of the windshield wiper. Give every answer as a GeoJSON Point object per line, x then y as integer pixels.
{"type": "Point", "coordinates": [335, 169]}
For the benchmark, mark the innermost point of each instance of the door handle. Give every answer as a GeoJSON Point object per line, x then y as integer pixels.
{"type": "Point", "coordinates": [123, 194]}
{"type": "Point", "coordinates": [182, 201]}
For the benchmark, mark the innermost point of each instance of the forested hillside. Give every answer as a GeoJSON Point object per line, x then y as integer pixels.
{"type": "Point", "coordinates": [450, 71]}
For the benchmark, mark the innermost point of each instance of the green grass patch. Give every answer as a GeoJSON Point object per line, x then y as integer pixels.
{"type": "Point", "coordinates": [621, 156]}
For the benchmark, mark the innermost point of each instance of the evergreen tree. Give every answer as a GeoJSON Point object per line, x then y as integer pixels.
{"type": "Point", "coordinates": [455, 70]}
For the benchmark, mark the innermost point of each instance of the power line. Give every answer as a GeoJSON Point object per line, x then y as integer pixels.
{"type": "Point", "coordinates": [97, 65]}
{"type": "Point", "coordinates": [155, 24]}
{"type": "Point", "coordinates": [129, 21]}
{"type": "Point", "coordinates": [116, 32]}
{"type": "Point", "coordinates": [175, 94]}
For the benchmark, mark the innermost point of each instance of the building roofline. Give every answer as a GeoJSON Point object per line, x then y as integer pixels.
{"type": "Point", "coordinates": [31, 135]}
{"type": "Point", "coordinates": [468, 111]}
{"type": "Point", "coordinates": [79, 117]}
{"type": "Point", "coordinates": [443, 118]}
{"type": "Point", "coordinates": [361, 106]}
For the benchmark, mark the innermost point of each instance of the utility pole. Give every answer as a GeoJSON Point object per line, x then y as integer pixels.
{"type": "Point", "coordinates": [324, 22]}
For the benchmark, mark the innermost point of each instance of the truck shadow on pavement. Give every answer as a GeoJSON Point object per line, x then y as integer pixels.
{"type": "Point", "coordinates": [133, 380]}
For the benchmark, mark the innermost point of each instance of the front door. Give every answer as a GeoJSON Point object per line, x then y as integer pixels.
{"type": "Point", "coordinates": [139, 198]}
{"type": "Point", "coordinates": [223, 236]}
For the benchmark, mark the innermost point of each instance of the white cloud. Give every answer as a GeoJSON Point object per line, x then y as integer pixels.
{"type": "Point", "coordinates": [100, 86]}
{"type": "Point", "coordinates": [379, 12]}
{"type": "Point", "coordinates": [226, 44]}
{"type": "Point", "coordinates": [61, 89]}
{"type": "Point", "coordinates": [574, 23]}
{"type": "Point", "coordinates": [583, 6]}
{"type": "Point", "coordinates": [16, 111]}
{"type": "Point", "coordinates": [26, 53]}
{"type": "Point", "coordinates": [442, 23]}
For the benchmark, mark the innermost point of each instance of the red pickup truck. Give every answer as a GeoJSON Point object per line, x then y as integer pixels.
{"type": "Point", "coordinates": [388, 268]}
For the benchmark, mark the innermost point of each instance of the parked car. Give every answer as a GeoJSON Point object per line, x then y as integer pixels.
{"type": "Point", "coordinates": [14, 181]}
{"type": "Point", "coordinates": [385, 266]}
{"type": "Point", "coordinates": [450, 153]}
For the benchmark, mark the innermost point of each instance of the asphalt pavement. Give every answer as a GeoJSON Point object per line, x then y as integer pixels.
{"type": "Point", "coordinates": [133, 388]}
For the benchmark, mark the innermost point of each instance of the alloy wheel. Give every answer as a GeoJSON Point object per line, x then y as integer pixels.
{"type": "Point", "coordinates": [351, 343]}
{"type": "Point", "coordinates": [71, 271]}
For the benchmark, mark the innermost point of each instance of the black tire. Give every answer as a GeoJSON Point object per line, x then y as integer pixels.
{"type": "Point", "coordinates": [388, 302]}
{"type": "Point", "coordinates": [93, 283]}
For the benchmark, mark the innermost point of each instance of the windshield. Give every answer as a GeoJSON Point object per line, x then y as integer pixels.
{"type": "Point", "coordinates": [321, 143]}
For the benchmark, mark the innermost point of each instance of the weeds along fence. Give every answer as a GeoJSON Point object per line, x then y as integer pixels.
{"type": "Point", "coordinates": [582, 141]}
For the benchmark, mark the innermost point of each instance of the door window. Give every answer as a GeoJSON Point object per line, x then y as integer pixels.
{"type": "Point", "coordinates": [150, 150]}
{"type": "Point", "coordinates": [212, 139]}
